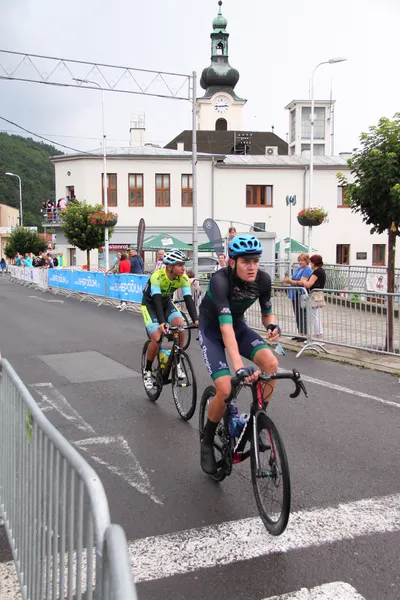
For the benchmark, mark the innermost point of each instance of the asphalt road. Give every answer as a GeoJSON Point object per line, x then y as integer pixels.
{"type": "Point", "coordinates": [342, 444]}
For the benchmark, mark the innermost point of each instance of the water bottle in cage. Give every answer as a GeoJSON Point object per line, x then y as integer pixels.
{"type": "Point", "coordinates": [232, 419]}
{"type": "Point", "coordinates": [240, 423]}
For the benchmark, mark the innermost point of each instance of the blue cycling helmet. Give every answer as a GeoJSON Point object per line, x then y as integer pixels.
{"type": "Point", "coordinates": [244, 245]}
{"type": "Point", "coordinates": [174, 256]}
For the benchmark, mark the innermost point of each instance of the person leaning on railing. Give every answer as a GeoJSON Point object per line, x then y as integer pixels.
{"type": "Point", "coordinates": [303, 270]}
{"type": "Point", "coordinates": [316, 281]}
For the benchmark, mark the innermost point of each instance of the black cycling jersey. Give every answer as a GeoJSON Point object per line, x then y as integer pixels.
{"type": "Point", "coordinates": [228, 297]}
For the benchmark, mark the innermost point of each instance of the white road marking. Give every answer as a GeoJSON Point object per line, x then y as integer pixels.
{"type": "Point", "coordinates": [46, 300]}
{"type": "Point", "coordinates": [128, 467]}
{"type": "Point", "coordinates": [338, 590]}
{"type": "Point", "coordinates": [216, 545]}
{"type": "Point", "coordinates": [53, 398]}
{"type": "Point", "coordinates": [345, 390]}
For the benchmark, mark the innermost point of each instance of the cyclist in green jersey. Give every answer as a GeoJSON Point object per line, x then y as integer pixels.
{"type": "Point", "coordinates": [159, 311]}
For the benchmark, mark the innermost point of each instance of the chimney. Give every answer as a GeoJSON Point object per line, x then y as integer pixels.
{"type": "Point", "coordinates": [137, 132]}
{"type": "Point", "coordinates": [180, 147]}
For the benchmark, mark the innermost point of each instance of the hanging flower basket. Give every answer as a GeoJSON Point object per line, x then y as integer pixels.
{"type": "Point", "coordinates": [312, 217]}
{"type": "Point", "coordinates": [104, 219]}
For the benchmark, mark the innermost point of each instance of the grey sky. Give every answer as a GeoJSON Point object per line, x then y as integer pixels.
{"type": "Point", "coordinates": [274, 45]}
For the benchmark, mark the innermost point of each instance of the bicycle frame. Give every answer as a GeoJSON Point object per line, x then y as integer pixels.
{"type": "Point", "coordinates": [174, 352]}
{"type": "Point", "coordinates": [258, 404]}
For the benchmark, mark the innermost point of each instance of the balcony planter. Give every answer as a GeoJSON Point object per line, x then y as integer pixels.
{"type": "Point", "coordinates": [312, 217]}
{"type": "Point", "coordinates": [104, 219]}
{"type": "Point", "coordinates": [307, 222]}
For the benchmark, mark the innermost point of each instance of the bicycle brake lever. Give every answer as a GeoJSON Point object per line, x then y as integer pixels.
{"type": "Point", "coordinates": [296, 391]}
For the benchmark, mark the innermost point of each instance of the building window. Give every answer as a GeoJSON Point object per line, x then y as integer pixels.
{"type": "Point", "coordinates": [135, 185]}
{"type": "Point", "coordinates": [341, 200]}
{"type": "Point", "coordinates": [379, 255]}
{"type": "Point", "coordinates": [112, 198]}
{"type": "Point", "coordinates": [187, 190]}
{"type": "Point", "coordinates": [259, 195]}
{"type": "Point", "coordinates": [319, 123]}
{"type": "Point", "coordinates": [343, 254]}
{"type": "Point", "coordinates": [293, 126]}
{"type": "Point", "coordinates": [221, 125]}
{"type": "Point", "coordinates": [163, 190]}
{"type": "Point", "coordinates": [258, 226]}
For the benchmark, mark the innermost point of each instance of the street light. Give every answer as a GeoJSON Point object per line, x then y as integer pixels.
{"type": "Point", "coordinates": [106, 247]}
{"type": "Point", "coordinates": [331, 61]}
{"type": "Point", "coordinates": [20, 196]}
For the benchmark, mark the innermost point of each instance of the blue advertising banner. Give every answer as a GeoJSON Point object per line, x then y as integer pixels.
{"type": "Point", "coordinates": [87, 282]}
{"type": "Point", "coordinates": [128, 288]}
{"type": "Point", "coordinates": [60, 279]}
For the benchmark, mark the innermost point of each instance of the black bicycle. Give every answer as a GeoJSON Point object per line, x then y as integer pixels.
{"type": "Point", "coordinates": [268, 461]}
{"type": "Point", "coordinates": [188, 328]}
{"type": "Point", "coordinates": [173, 365]}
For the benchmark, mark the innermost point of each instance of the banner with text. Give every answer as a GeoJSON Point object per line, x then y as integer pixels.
{"type": "Point", "coordinates": [87, 282]}
{"type": "Point", "coordinates": [60, 278]}
{"type": "Point", "coordinates": [127, 288]}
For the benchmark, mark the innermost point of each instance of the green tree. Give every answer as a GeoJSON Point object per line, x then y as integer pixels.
{"type": "Point", "coordinates": [375, 192]}
{"type": "Point", "coordinates": [22, 240]}
{"type": "Point", "coordinates": [30, 160]}
{"type": "Point", "coordinates": [78, 229]}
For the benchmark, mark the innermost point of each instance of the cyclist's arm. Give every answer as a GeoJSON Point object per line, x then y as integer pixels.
{"type": "Point", "coordinates": [155, 291]}
{"type": "Point", "coordinates": [188, 298]}
{"type": "Point", "coordinates": [268, 316]}
{"type": "Point", "coordinates": [219, 290]}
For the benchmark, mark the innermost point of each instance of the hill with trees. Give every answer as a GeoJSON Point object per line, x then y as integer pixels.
{"type": "Point", "coordinates": [29, 160]}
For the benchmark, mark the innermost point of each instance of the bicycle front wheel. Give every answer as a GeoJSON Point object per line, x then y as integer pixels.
{"type": "Point", "coordinates": [270, 475]}
{"type": "Point", "coordinates": [184, 386]}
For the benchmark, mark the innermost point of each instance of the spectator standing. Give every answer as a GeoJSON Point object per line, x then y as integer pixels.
{"type": "Point", "coordinates": [316, 281]}
{"type": "Point", "coordinates": [136, 262]}
{"type": "Point", "coordinates": [3, 265]}
{"type": "Point", "coordinates": [27, 260]}
{"type": "Point", "coordinates": [159, 264]}
{"type": "Point", "coordinates": [303, 270]}
{"type": "Point", "coordinates": [231, 234]}
{"type": "Point", "coordinates": [124, 265]}
{"type": "Point", "coordinates": [115, 268]}
{"type": "Point", "coordinates": [18, 259]}
{"type": "Point", "coordinates": [221, 262]}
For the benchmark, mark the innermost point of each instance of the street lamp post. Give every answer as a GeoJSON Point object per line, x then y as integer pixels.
{"type": "Point", "coordinates": [105, 177]}
{"type": "Point", "coordinates": [20, 196]}
{"type": "Point", "coordinates": [331, 61]}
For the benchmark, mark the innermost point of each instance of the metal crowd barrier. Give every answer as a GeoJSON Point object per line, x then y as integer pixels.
{"type": "Point", "coordinates": [352, 320]}
{"type": "Point", "coordinates": [360, 320]}
{"type": "Point", "coordinates": [54, 508]}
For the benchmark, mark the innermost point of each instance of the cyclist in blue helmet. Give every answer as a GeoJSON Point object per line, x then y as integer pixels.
{"type": "Point", "coordinates": [231, 292]}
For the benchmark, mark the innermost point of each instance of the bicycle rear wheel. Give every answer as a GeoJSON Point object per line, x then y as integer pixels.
{"type": "Point", "coordinates": [155, 392]}
{"type": "Point", "coordinates": [270, 475]}
{"type": "Point", "coordinates": [184, 391]}
{"type": "Point", "coordinates": [219, 447]}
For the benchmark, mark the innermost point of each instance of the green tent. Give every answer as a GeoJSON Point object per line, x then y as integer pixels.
{"type": "Point", "coordinates": [164, 241]}
{"type": "Point", "coordinates": [207, 247]}
{"type": "Point", "coordinates": [295, 246]}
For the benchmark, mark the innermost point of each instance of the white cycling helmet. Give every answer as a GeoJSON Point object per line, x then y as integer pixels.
{"type": "Point", "coordinates": [174, 256]}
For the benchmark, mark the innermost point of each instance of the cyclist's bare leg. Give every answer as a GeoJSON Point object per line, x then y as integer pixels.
{"type": "Point", "coordinates": [179, 322]}
{"type": "Point", "coordinates": [217, 406]}
{"type": "Point", "coordinates": [267, 363]}
{"type": "Point", "coordinates": [153, 346]}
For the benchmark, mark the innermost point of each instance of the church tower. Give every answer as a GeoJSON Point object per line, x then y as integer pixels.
{"type": "Point", "coordinates": [220, 109]}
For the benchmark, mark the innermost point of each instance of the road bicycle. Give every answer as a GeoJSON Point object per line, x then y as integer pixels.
{"type": "Point", "coordinates": [259, 439]}
{"type": "Point", "coordinates": [165, 370]}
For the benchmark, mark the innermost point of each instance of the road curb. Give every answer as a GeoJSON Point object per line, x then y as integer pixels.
{"type": "Point", "coordinates": [371, 361]}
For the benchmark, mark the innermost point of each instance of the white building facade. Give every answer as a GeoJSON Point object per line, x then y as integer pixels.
{"type": "Point", "coordinates": [244, 191]}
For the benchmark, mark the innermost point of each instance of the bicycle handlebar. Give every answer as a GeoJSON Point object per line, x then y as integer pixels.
{"type": "Point", "coordinates": [293, 375]}
{"type": "Point", "coordinates": [179, 328]}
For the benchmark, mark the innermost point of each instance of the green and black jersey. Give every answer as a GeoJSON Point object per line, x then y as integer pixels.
{"type": "Point", "coordinates": [228, 297]}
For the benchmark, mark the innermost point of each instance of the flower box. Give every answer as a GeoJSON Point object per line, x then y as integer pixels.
{"type": "Point", "coordinates": [307, 222]}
